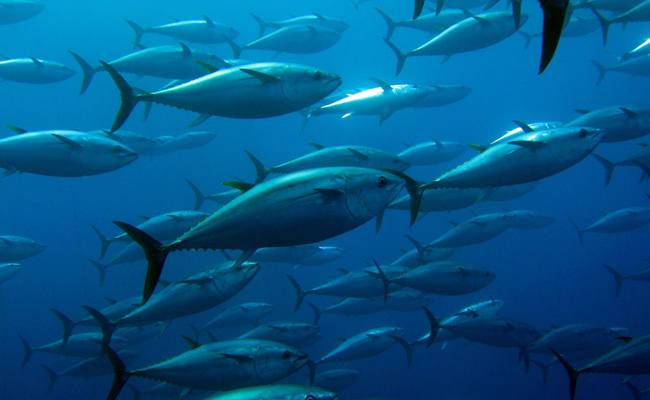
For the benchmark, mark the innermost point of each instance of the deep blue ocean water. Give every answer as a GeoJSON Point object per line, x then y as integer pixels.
{"type": "Point", "coordinates": [544, 276]}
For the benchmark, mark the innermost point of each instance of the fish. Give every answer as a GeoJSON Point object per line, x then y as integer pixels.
{"type": "Point", "coordinates": [528, 158]}
{"type": "Point", "coordinates": [640, 50]}
{"type": "Point", "coordinates": [324, 202]}
{"type": "Point", "coordinates": [475, 230]}
{"type": "Point", "coordinates": [294, 39]}
{"type": "Point", "coordinates": [221, 198]}
{"type": "Point", "coordinates": [473, 33]}
{"type": "Point", "coordinates": [259, 90]}
{"type": "Point", "coordinates": [575, 338]}
{"type": "Point", "coordinates": [312, 19]}
{"type": "Point", "coordinates": [291, 333]}
{"type": "Point", "coordinates": [623, 220]}
{"type": "Point", "coordinates": [336, 156]}
{"type": "Point", "coordinates": [528, 219]}
{"type": "Point", "coordinates": [336, 380]}
{"type": "Point", "coordinates": [364, 283]}
{"type": "Point", "coordinates": [431, 153]}
{"type": "Point", "coordinates": [13, 11]}
{"type": "Point", "coordinates": [32, 70]}
{"type": "Point", "coordinates": [185, 141]}
{"type": "Point", "coordinates": [79, 345]}
{"type": "Point", "coordinates": [522, 130]}
{"type": "Point", "coordinates": [423, 254]}
{"type": "Point", "coordinates": [368, 344]}
{"type": "Point", "coordinates": [276, 392]}
{"type": "Point", "coordinates": [15, 248]}
{"type": "Point", "coordinates": [642, 275]}
{"type": "Point", "coordinates": [442, 95]}
{"type": "Point", "coordinates": [638, 13]}
{"type": "Point", "coordinates": [637, 66]}
{"type": "Point", "coordinates": [448, 278]}
{"type": "Point", "coordinates": [165, 226]}
{"type": "Point", "coordinates": [433, 23]}
{"type": "Point", "coordinates": [631, 358]}
{"type": "Point", "coordinates": [383, 101]}
{"type": "Point", "coordinates": [170, 62]}
{"type": "Point", "coordinates": [8, 270]}
{"type": "Point", "coordinates": [238, 315]}
{"type": "Point", "coordinates": [135, 141]}
{"type": "Point", "coordinates": [195, 31]}
{"type": "Point", "coordinates": [225, 365]}
{"type": "Point", "coordinates": [62, 153]}
{"type": "Point", "coordinates": [620, 123]}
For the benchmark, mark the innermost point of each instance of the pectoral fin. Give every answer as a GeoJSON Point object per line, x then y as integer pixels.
{"type": "Point", "coordinates": [264, 78]}
{"type": "Point", "coordinates": [530, 145]}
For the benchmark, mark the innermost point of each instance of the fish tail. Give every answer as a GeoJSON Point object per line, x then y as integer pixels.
{"type": "Point", "coordinates": [407, 347]}
{"type": "Point", "coordinates": [104, 241]}
{"type": "Point", "coordinates": [155, 253]}
{"type": "Point", "coordinates": [129, 97]}
{"type": "Point", "coordinates": [435, 326]}
{"type": "Point", "coordinates": [609, 167]}
{"type": "Point", "coordinates": [528, 37]}
{"type": "Point", "coordinates": [580, 234]}
{"type": "Point", "coordinates": [101, 268]}
{"type": "Point", "coordinates": [544, 369]}
{"type": "Point", "coordinates": [317, 312]}
{"type": "Point", "coordinates": [68, 326]}
{"type": "Point", "coordinates": [389, 21]}
{"type": "Point", "coordinates": [384, 280]}
{"type": "Point", "coordinates": [604, 22]}
{"type": "Point", "coordinates": [573, 373]}
{"type": "Point", "coordinates": [306, 116]}
{"type": "Point", "coordinates": [139, 31]}
{"type": "Point", "coordinates": [601, 71]}
{"type": "Point", "coordinates": [136, 392]}
{"type": "Point", "coordinates": [87, 69]}
{"type": "Point", "coordinates": [263, 25]}
{"type": "Point", "coordinates": [121, 374]}
{"type": "Point", "coordinates": [28, 350]}
{"type": "Point", "coordinates": [618, 277]}
{"type": "Point", "coordinates": [200, 197]}
{"type": "Point", "coordinates": [236, 49]}
{"type": "Point", "coordinates": [644, 167]}
{"type": "Point", "coordinates": [635, 391]}
{"type": "Point", "coordinates": [52, 375]}
{"type": "Point", "coordinates": [490, 4]}
{"type": "Point", "coordinates": [401, 57]}
{"type": "Point", "coordinates": [262, 172]}
{"type": "Point", "coordinates": [415, 190]}
{"type": "Point", "coordinates": [300, 294]}
{"type": "Point", "coordinates": [107, 326]}
{"type": "Point", "coordinates": [418, 247]}
{"type": "Point", "coordinates": [524, 355]}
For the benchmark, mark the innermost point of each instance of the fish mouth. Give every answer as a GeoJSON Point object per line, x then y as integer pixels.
{"type": "Point", "coordinates": [302, 360]}
{"type": "Point", "coordinates": [335, 80]}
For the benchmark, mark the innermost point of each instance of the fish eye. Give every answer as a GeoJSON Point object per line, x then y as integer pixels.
{"type": "Point", "coordinates": [382, 181]}
{"type": "Point", "coordinates": [286, 354]}
{"type": "Point", "coordinates": [310, 397]}
{"type": "Point", "coordinates": [117, 149]}
{"type": "Point", "coordinates": [318, 76]}
{"type": "Point", "coordinates": [583, 133]}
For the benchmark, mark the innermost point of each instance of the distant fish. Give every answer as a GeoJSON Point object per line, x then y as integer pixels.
{"type": "Point", "coordinates": [8, 270]}
{"type": "Point", "coordinates": [368, 344]}
{"type": "Point", "coordinates": [240, 314]}
{"type": "Point", "coordinates": [431, 153]}
{"type": "Point", "coordinates": [433, 23]}
{"type": "Point", "coordinates": [337, 379]}
{"type": "Point", "coordinates": [638, 13]}
{"type": "Point", "coordinates": [12, 11]}
{"type": "Point", "coordinates": [620, 123]}
{"type": "Point", "coordinates": [276, 392]}
{"type": "Point", "coordinates": [476, 230]}
{"type": "Point", "coordinates": [185, 141]}
{"type": "Point", "coordinates": [313, 19]}
{"type": "Point", "coordinates": [196, 31]}
{"type": "Point", "coordinates": [32, 70]}
{"type": "Point", "coordinates": [221, 197]}
{"type": "Point", "coordinates": [14, 248]}
{"type": "Point", "coordinates": [447, 278]}
{"type": "Point", "coordinates": [623, 220]}
{"type": "Point", "coordinates": [291, 333]}
{"type": "Point", "coordinates": [528, 219]}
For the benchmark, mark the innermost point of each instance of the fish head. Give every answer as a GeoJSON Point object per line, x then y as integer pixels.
{"type": "Point", "coordinates": [226, 276]}
{"type": "Point", "coordinates": [368, 192]}
{"type": "Point", "coordinates": [397, 164]}
{"type": "Point", "coordinates": [274, 361]}
{"type": "Point", "coordinates": [571, 144]}
{"type": "Point", "coordinates": [109, 154]}
{"type": "Point", "coordinates": [304, 86]}
{"type": "Point", "coordinates": [35, 246]}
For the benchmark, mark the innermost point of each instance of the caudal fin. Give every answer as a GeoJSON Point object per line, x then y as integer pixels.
{"type": "Point", "coordinates": [154, 252]}
{"type": "Point", "coordinates": [139, 31]}
{"type": "Point", "coordinates": [580, 234]}
{"type": "Point", "coordinates": [68, 326]}
{"type": "Point", "coordinates": [236, 49]}
{"type": "Point", "coordinates": [87, 69]}
{"type": "Point", "coordinates": [618, 277]}
{"type": "Point", "coordinates": [104, 242]}
{"type": "Point", "coordinates": [414, 189]}
{"type": "Point", "coordinates": [317, 312]}
{"type": "Point", "coordinates": [601, 71]}
{"type": "Point", "coordinates": [199, 197]}
{"type": "Point", "coordinates": [128, 95]}
{"type": "Point", "coordinates": [52, 375]}
{"type": "Point", "coordinates": [435, 326]}
{"type": "Point", "coordinates": [544, 369]}
{"type": "Point", "coordinates": [107, 326]}
{"type": "Point", "coordinates": [604, 22]}
{"type": "Point", "coordinates": [101, 268]}
{"type": "Point", "coordinates": [263, 25]}
{"type": "Point", "coordinates": [389, 22]}
{"type": "Point", "coordinates": [401, 57]}
{"type": "Point", "coordinates": [260, 170]}
{"type": "Point", "coordinates": [573, 374]}
{"type": "Point", "coordinates": [407, 347]}
{"type": "Point", "coordinates": [121, 374]}
{"type": "Point", "coordinates": [609, 167]}
{"type": "Point", "coordinates": [28, 350]}
{"type": "Point", "coordinates": [300, 294]}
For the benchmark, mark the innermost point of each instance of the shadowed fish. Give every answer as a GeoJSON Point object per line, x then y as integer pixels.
{"type": "Point", "coordinates": [337, 379]}
{"type": "Point", "coordinates": [14, 248]}
{"type": "Point", "coordinates": [475, 230]}
{"type": "Point", "coordinates": [642, 275]}
{"type": "Point", "coordinates": [448, 278]}
{"type": "Point", "coordinates": [313, 19]}
{"type": "Point", "coordinates": [32, 70]}
{"type": "Point", "coordinates": [12, 11]}
{"type": "Point", "coordinates": [196, 31]}
{"type": "Point", "coordinates": [368, 344]}
{"type": "Point", "coordinates": [624, 220]}
{"type": "Point", "coordinates": [238, 315]}
{"type": "Point", "coordinates": [293, 334]}
{"type": "Point", "coordinates": [7, 271]}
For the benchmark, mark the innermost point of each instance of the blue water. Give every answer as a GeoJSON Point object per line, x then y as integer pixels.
{"type": "Point", "coordinates": [545, 277]}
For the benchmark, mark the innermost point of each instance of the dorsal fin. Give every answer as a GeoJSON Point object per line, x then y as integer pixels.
{"type": "Point", "coordinates": [38, 63]}
{"type": "Point", "coordinates": [385, 86]}
{"type": "Point", "coordinates": [630, 114]}
{"type": "Point", "coordinates": [70, 143]}
{"type": "Point", "coordinates": [144, 217]}
{"type": "Point", "coordinates": [187, 53]}
{"type": "Point", "coordinates": [193, 343]}
{"type": "Point", "coordinates": [360, 155]}
{"type": "Point", "coordinates": [481, 148]}
{"type": "Point", "coordinates": [438, 143]}
{"type": "Point", "coordinates": [16, 129]}
{"type": "Point", "coordinates": [454, 224]}
{"type": "Point", "coordinates": [317, 146]}
{"type": "Point", "coordinates": [524, 126]}
{"type": "Point", "coordinates": [110, 301]}
{"type": "Point", "coordinates": [344, 271]}
{"type": "Point", "coordinates": [582, 111]}
{"type": "Point", "coordinates": [208, 21]}
{"type": "Point", "coordinates": [241, 186]}
{"type": "Point", "coordinates": [264, 78]}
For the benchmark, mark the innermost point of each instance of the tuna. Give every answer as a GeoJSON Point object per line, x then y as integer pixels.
{"type": "Point", "coordinates": [32, 70]}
